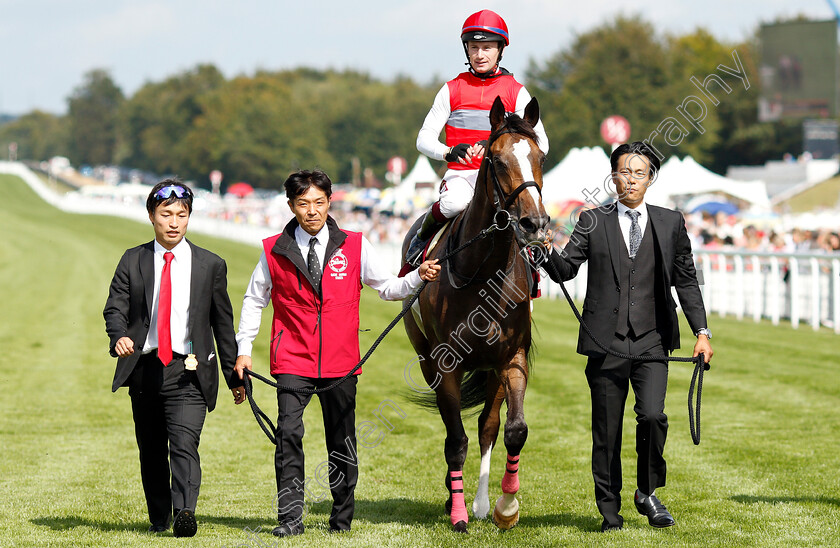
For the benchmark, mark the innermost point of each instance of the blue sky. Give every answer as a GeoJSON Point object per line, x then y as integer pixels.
{"type": "Point", "coordinates": [47, 45]}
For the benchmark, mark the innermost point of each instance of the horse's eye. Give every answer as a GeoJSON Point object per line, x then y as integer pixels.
{"type": "Point", "coordinates": [499, 163]}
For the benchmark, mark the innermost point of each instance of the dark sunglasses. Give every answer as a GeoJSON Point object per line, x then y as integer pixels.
{"type": "Point", "coordinates": [166, 192]}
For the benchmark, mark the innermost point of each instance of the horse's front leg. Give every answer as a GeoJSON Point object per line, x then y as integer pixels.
{"type": "Point", "coordinates": [488, 431]}
{"type": "Point", "coordinates": [514, 381]}
{"type": "Point", "coordinates": [455, 449]}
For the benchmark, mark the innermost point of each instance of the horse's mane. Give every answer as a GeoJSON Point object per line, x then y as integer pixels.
{"type": "Point", "coordinates": [514, 124]}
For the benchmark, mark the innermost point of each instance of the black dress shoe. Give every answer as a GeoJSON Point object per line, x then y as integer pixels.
{"type": "Point", "coordinates": [158, 528]}
{"type": "Point", "coordinates": [336, 530]}
{"type": "Point", "coordinates": [657, 514]}
{"type": "Point", "coordinates": [607, 526]}
{"type": "Point", "coordinates": [185, 524]}
{"type": "Point", "coordinates": [287, 530]}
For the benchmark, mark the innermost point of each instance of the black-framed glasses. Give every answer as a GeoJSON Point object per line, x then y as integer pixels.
{"type": "Point", "coordinates": [166, 192]}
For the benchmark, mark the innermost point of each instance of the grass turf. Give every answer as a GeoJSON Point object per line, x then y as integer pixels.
{"type": "Point", "coordinates": [764, 475]}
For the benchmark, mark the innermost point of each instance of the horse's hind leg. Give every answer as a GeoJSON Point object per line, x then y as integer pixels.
{"type": "Point", "coordinates": [514, 380]}
{"type": "Point", "coordinates": [455, 449]}
{"type": "Point", "coordinates": [488, 431]}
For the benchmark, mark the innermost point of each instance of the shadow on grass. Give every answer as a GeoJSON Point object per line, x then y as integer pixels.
{"type": "Point", "coordinates": [57, 523]}
{"type": "Point", "coordinates": [750, 499]}
{"type": "Point", "coordinates": [426, 514]}
{"type": "Point", "coordinates": [395, 510]}
{"type": "Point", "coordinates": [64, 523]}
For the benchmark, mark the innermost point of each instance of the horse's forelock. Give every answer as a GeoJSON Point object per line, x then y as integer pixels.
{"type": "Point", "coordinates": [514, 124]}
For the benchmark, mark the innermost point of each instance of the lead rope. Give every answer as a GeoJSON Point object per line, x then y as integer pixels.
{"type": "Point", "coordinates": [699, 363]}
{"type": "Point", "coordinates": [262, 418]}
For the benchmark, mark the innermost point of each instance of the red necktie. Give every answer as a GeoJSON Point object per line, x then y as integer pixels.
{"type": "Point", "coordinates": [164, 310]}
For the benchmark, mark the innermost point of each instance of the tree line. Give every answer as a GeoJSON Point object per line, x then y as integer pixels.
{"type": "Point", "coordinates": [259, 128]}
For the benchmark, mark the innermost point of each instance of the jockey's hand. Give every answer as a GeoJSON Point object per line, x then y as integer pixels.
{"type": "Point", "coordinates": [479, 149]}
{"type": "Point", "coordinates": [429, 270]}
{"type": "Point", "coordinates": [460, 153]}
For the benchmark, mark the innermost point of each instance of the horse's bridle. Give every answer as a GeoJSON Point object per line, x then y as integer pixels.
{"type": "Point", "coordinates": [500, 197]}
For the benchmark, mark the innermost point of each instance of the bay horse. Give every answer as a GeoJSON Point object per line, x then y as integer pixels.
{"type": "Point", "coordinates": [472, 333]}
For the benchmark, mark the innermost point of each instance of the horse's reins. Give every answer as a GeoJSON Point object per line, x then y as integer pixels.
{"type": "Point", "coordinates": [699, 361]}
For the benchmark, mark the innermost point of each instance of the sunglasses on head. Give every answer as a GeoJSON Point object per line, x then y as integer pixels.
{"type": "Point", "coordinates": [166, 192]}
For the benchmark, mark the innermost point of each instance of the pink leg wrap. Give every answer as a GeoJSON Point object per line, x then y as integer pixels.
{"type": "Point", "coordinates": [510, 483]}
{"type": "Point", "coordinates": [459, 509]}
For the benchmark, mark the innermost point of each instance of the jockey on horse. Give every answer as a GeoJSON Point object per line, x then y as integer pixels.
{"type": "Point", "coordinates": [462, 107]}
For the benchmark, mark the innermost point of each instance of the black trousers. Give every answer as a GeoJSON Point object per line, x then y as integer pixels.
{"type": "Point", "coordinates": [339, 474]}
{"type": "Point", "coordinates": [169, 413]}
{"type": "Point", "coordinates": [608, 379]}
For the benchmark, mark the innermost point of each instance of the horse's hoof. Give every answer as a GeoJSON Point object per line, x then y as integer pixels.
{"type": "Point", "coordinates": [481, 508]}
{"type": "Point", "coordinates": [460, 527]}
{"type": "Point", "coordinates": [448, 507]}
{"type": "Point", "coordinates": [506, 512]}
{"type": "Point", "coordinates": [505, 522]}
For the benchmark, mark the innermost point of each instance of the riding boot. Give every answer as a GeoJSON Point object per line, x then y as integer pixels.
{"type": "Point", "coordinates": [431, 223]}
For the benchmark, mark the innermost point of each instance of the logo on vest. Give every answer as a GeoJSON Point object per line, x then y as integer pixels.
{"type": "Point", "coordinates": [338, 265]}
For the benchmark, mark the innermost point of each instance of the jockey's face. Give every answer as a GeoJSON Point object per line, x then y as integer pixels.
{"type": "Point", "coordinates": [310, 209]}
{"type": "Point", "coordinates": [484, 56]}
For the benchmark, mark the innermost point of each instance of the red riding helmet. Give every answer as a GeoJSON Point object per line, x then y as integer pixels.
{"type": "Point", "coordinates": [485, 26]}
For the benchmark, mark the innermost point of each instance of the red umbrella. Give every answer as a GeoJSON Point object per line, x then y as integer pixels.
{"type": "Point", "coordinates": [240, 189]}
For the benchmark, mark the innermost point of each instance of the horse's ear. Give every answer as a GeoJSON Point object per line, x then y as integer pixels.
{"type": "Point", "coordinates": [497, 114]}
{"type": "Point", "coordinates": [532, 112]}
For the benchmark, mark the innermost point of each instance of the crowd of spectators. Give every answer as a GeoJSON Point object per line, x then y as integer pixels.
{"type": "Point", "coordinates": [720, 231]}
{"type": "Point", "coordinates": [723, 231]}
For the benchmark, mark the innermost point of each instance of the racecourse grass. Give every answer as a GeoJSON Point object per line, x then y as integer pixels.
{"type": "Point", "coordinates": [766, 473]}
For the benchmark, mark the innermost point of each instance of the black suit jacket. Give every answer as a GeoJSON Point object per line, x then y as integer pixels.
{"type": "Point", "coordinates": [596, 239]}
{"type": "Point", "coordinates": [128, 313]}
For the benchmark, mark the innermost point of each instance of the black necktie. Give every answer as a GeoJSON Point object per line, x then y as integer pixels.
{"type": "Point", "coordinates": [314, 265]}
{"type": "Point", "coordinates": [635, 232]}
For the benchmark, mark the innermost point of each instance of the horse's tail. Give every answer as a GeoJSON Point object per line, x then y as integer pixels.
{"type": "Point", "coordinates": [473, 389]}
{"type": "Point", "coordinates": [473, 393]}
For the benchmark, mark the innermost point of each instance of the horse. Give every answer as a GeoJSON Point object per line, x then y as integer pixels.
{"type": "Point", "coordinates": [472, 331]}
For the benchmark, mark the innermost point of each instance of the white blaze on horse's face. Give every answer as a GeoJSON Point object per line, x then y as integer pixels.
{"type": "Point", "coordinates": [521, 150]}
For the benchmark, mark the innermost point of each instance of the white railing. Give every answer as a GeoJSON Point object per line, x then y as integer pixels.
{"type": "Point", "coordinates": [800, 288]}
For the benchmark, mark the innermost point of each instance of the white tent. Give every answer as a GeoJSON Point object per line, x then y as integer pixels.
{"type": "Point", "coordinates": [578, 177]}
{"type": "Point", "coordinates": [418, 190]}
{"type": "Point", "coordinates": [688, 178]}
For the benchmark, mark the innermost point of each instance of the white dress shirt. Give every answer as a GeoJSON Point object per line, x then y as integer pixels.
{"type": "Point", "coordinates": [258, 293]}
{"type": "Point", "coordinates": [180, 272]}
{"type": "Point", "coordinates": [624, 221]}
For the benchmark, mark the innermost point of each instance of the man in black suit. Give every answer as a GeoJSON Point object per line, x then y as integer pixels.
{"type": "Point", "coordinates": [168, 300]}
{"type": "Point", "coordinates": [636, 253]}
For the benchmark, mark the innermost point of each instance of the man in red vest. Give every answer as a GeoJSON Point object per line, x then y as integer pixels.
{"type": "Point", "coordinates": [315, 337]}
{"type": "Point", "coordinates": [462, 109]}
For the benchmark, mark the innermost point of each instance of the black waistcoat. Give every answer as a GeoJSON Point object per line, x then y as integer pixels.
{"type": "Point", "coordinates": [637, 304]}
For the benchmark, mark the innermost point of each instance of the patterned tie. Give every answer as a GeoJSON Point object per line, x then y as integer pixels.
{"type": "Point", "coordinates": [314, 265]}
{"type": "Point", "coordinates": [164, 311]}
{"type": "Point", "coordinates": [635, 232]}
